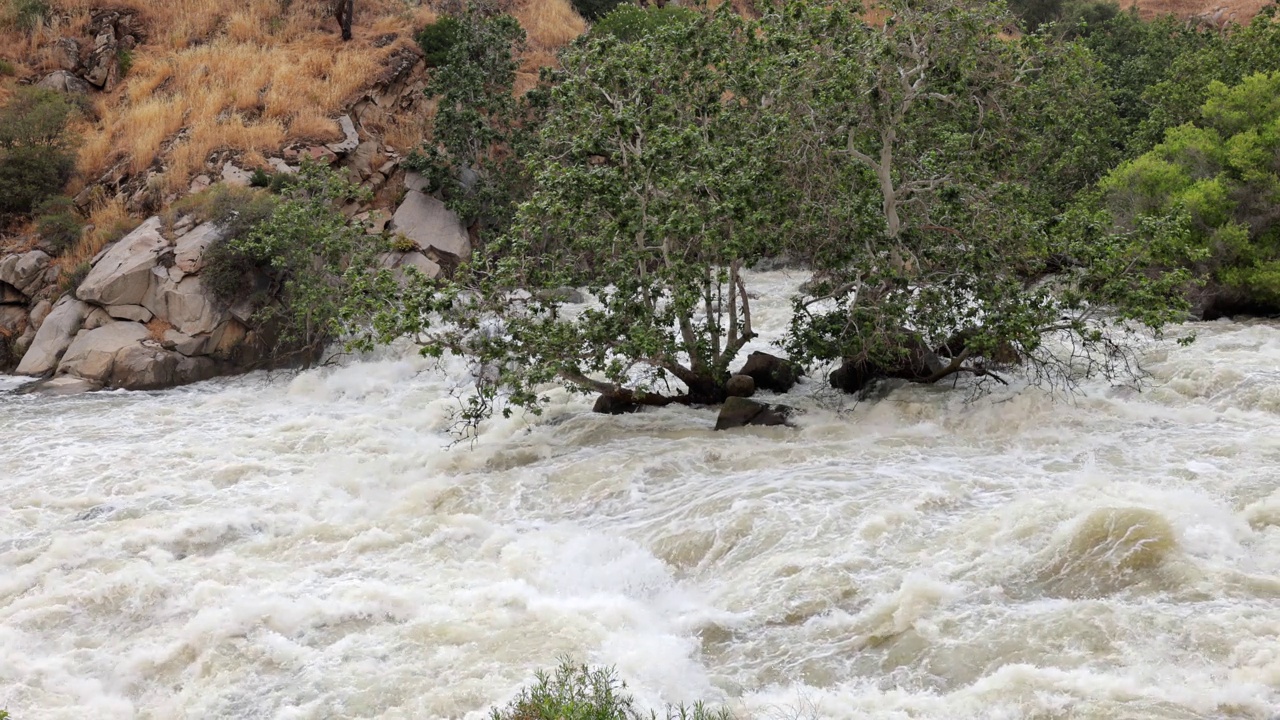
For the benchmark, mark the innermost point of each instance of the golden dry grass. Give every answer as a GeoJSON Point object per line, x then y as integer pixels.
{"type": "Point", "coordinates": [110, 221]}
{"type": "Point", "coordinates": [245, 76]}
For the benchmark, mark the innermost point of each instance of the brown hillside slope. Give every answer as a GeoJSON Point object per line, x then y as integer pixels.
{"type": "Point", "coordinates": [1215, 12]}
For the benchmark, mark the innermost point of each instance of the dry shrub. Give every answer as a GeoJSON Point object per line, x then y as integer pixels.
{"type": "Point", "coordinates": [550, 24]}
{"type": "Point", "coordinates": [110, 222]}
{"type": "Point", "coordinates": [156, 328]}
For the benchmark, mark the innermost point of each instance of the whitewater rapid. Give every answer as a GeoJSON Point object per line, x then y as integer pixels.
{"type": "Point", "coordinates": [309, 546]}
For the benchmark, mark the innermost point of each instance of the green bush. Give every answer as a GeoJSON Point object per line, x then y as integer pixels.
{"type": "Point", "coordinates": [438, 38]}
{"type": "Point", "coordinates": [629, 23]}
{"type": "Point", "coordinates": [124, 59]}
{"type": "Point", "coordinates": [595, 9]}
{"type": "Point", "coordinates": [577, 692]}
{"type": "Point", "coordinates": [72, 279]}
{"type": "Point", "coordinates": [26, 15]}
{"type": "Point", "coordinates": [35, 153]}
{"type": "Point", "coordinates": [7, 68]}
{"type": "Point", "coordinates": [260, 178]}
{"type": "Point", "coordinates": [59, 223]}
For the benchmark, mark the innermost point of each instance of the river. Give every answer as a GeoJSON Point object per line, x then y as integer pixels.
{"type": "Point", "coordinates": [310, 546]}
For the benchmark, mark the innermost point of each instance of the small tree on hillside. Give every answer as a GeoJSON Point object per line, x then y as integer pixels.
{"type": "Point", "coordinates": [35, 148]}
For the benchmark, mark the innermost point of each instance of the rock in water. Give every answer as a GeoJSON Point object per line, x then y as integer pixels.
{"type": "Point", "coordinates": [771, 372]}
{"type": "Point", "coordinates": [614, 405]}
{"type": "Point", "coordinates": [740, 412]}
{"type": "Point", "coordinates": [54, 336]}
{"type": "Point", "coordinates": [740, 386]}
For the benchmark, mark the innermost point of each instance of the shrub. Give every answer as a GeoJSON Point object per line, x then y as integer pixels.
{"type": "Point", "coordinates": [403, 244]}
{"type": "Point", "coordinates": [595, 9]}
{"type": "Point", "coordinates": [35, 157]}
{"type": "Point", "coordinates": [7, 68]}
{"type": "Point", "coordinates": [59, 224]}
{"type": "Point", "coordinates": [27, 15]}
{"type": "Point", "coordinates": [438, 38]}
{"type": "Point", "coordinates": [629, 23]}
{"type": "Point", "coordinates": [124, 59]}
{"type": "Point", "coordinates": [577, 692]}
{"type": "Point", "coordinates": [260, 178]}
{"type": "Point", "coordinates": [71, 280]}
{"type": "Point", "coordinates": [237, 209]}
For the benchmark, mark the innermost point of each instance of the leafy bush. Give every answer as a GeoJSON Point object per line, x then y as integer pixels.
{"type": "Point", "coordinates": [59, 223]}
{"type": "Point", "coordinates": [1067, 13]}
{"type": "Point", "coordinates": [124, 59]}
{"type": "Point", "coordinates": [595, 9]}
{"type": "Point", "coordinates": [305, 257]}
{"type": "Point", "coordinates": [71, 279]}
{"type": "Point", "coordinates": [577, 692]}
{"type": "Point", "coordinates": [1224, 172]}
{"type": "Point", "coordinates": [438, 38]}
{"type": "Point", "coordinates": [35, 153]}
{"type": "Point", "coordinates": [260, 178]}
{"type": "Point", "coordinates": [26, 15]}
{"type": "Point", "coordinates": [7, 68]}
{"type": "Point", "coordinates": [629, 23]}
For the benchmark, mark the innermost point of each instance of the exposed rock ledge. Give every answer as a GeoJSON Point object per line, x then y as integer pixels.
{"type": "Point", "coordinates": [141, 319]}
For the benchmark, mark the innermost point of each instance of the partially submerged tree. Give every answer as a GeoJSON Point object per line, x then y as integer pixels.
{"type": "Point", "coordinates": [921, 131]}
{"type": "Point", "coordinates": [653, 186]}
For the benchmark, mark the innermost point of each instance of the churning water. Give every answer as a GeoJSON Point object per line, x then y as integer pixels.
{"type": "Point", "coordinates": [306, 547]}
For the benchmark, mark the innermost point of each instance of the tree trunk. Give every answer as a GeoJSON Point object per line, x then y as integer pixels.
{"type": "Point", "coordinates": [344, 11]}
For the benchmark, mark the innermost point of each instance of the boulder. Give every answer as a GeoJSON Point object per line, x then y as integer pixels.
{"type": "Point", "coordinates": [429, 224]}
{"type": "Point", "coordinates": [97, 318]}
{"type": "Point", "coordinates": [136, 313]}
{"type": "Point", "coordinates": [64, 82]}
{"type": "Point", "coordinates": [123, 275]}
{"type": "Point", "coordinates": [122, 355]}
{"type": "Point", "coordinates": [13, 321]}
{"type": "Point", "coordinates": [853, 376]}
{"type": "Point", "coordinates": [361, 160]}
{"type": "Point", "coordinates": [103, 66]}
{"type": "Point", "coordinates": [185, 344]}
{"type": "Point", "coordinates": [54, 336]}
{"type": "Point", "coordinates": [398, 263]}
{"type": "Point", "coordinates": [771, 372]}
{"type": "Point", "coordinates": [614, 405]}
{"type": "Point", "coordinates": [64, 385]}
{"type": "Point", "coordinates": [25, 271]}
{"type": "Point", "coordinates": [184, 304]}
{"type": "Point", "coordinates": [9, 295]}
{"type": "Point", "coordinates": [66, 55]}
{"type": "Point", "coordinates": [199, 184]}
{"type": "Point", "coordinates": [740, 386]}
{"type": "Point", "coordinates": [740, 412]}
{"type": "Point", "coordinates": [350, 138]}
{"type": "Point", "coordinates": [227, 338]}
{"type": "Point", "coordinates": [416, 181]}
{"type": "Point", "coordinates": [40, 312]}
{"type": "Point", "coordinates": [236, 176]}
{"type": "Point", "coordinates": [189, 255]}
{"type": "Point", "coordinates": [281, 166]}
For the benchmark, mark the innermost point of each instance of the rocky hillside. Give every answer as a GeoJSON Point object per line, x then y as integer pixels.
{"type": "Point", "coordinates": [174, 103]}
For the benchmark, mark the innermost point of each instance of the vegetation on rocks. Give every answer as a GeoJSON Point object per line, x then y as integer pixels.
{"type": "Point", "coordinates": [579, 692]}
{"type": "Point", "coordinates": [35, 148]}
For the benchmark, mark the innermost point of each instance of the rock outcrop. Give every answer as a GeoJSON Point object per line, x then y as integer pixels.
{"type": "Point", "coordinates": [770, 372]}
{"type": "Point", "coordinates": [430, 225]}
{"type": "Point", "coordinates": [141, 319]}
{"type": "Point", "coordinates": [740, 412]}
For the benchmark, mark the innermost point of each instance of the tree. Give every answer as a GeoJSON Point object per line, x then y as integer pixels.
{"type": "Point", "coordinates": [925, 135]}
{"type": "Point", "coordinates": [472, 159]}
{"type": "Point", "coordinates": [344, 11]}
{"type": "Point", "coordinates": [1224, 172]}
{"type": "Point", "coordinates": [653, 186]}
{"type": "Point", "coordinates": [35, 148]}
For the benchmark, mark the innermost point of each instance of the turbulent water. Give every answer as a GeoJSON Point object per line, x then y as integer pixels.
{"type": "Point", "coordinates": [308, 547]}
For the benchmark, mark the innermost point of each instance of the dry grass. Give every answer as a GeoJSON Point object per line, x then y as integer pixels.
{"type": "Point", "coordinates": [110, 221]}
{"type": "Point", "coordinates": [157, 327]}
{"type": "Point", "coordinates": [1240, 11]}
{"type": "Point", "coordinates": [245, 76]}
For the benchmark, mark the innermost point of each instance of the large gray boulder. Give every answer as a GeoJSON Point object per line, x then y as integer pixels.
{"type": "Point", "coordinates": [54, 336]}
{"type": "Point", "coordinates": [429, 224]}
{"type": "Point", "coordinates": [189, 255]}
{"type": "Point", "coordinates": [122, 355]}
{"type": "Point", "coordinates": [25, 271]}
{"type": "Point", "coordinates": [64, 82]}
{"type": "Point", "coordinates": [123, 275]}
{"type": "Point", "coordinates": [350, 138]}
{"type": "Point", "coordinates": [184, 304]}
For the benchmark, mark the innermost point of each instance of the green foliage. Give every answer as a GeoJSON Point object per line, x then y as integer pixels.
{"type": "Point", "coordinates": [7, 68]}
{"type": "Point", "coordinates": [72, 279]}
{"type": "Point", "coordinates": [124, 59]}
{"type": "Point", "coordinates": [630, 23]}
{"type": "Point", "coordinates": [1224, 173]}
{"type": "Point", "coordinates": [1068, 14]}
{"type": "Point", "coordinates": [25, 15]}
{"type": "Point", "coordinates": [595, 9]}
{"type": "Point", "coordinates": [260, 178]}
{"type": "Point", "coordinates": [35, 149]}
{"type": "Point", "coordinates": [59, 224]}
{"type": "Point", "coordinates": [479, 122]}
{"type": "Point", "coordinates": [438, 38]}
{"type": "Point", "coordinates": [400, 243]}
{"type": "Point", "coordinates": [578, 692]}
{"type": "Point", "coordinates": [301, 259]}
